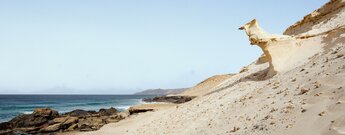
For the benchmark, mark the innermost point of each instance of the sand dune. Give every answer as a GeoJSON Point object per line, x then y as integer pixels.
{"type": "Point", "coordinates": [206, 86]}
{"type": "Point", "coordinates": [305, 96]}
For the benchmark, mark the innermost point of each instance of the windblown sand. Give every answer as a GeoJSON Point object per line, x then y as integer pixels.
{"type": "Point", "coordinates": [306, 99]}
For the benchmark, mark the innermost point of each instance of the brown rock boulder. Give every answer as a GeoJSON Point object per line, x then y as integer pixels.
{"type": "Point", "coordinates": [39, 117]}
{"type": "Point", "coordinates": [65, 121]}
{"type": "Point", "coordinates": [51, 128]}
{"type": "Point", "coordinates": [45, 112]}
{"type": "Point", "coordinates": [133, 110]}
{"type": "Point", "coordinates": [170, 99]}
{"type": "Point", "coordinates": [107, 112]}
{"type": "Point", "coordinates": [91, 123]}
{"type": "Point", "coordinates": [5, 128]}
{"type": "Point", "coordinates": [81, 113]}
{"type": "Point", "coordinates": [72, 127]}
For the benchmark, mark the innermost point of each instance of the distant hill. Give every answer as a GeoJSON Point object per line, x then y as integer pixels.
{"type": "Point", "coordinates": [161, 91]}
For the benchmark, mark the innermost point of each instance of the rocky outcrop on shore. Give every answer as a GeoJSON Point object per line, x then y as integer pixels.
{"type": "Point", "coordinates": [133, 110]}
{"type": "Point", "coordinates": [170, 99]}
{"type": "Point", "coordinates": [45, 120]}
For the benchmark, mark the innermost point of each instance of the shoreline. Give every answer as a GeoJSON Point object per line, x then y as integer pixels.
{"type": "Point", "coordinates": [15, 105]}
{"type": "Point", "coordinates": [127, 125]}
{"type": "Point", "coordinates": [46, 120]}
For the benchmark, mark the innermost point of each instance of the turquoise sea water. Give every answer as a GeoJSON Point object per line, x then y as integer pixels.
{"type": "Point", "coordinates": [13, 105]}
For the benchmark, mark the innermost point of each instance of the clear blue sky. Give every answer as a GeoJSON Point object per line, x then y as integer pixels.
{"type": "Point", "coordinates": [123, 46]}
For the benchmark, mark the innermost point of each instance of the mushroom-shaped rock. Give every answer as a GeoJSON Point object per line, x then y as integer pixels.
{"type": "Point", "coordinates": [283, 52]}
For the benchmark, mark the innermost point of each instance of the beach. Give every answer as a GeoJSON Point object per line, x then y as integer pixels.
{"type": "Point", "coordinates": [296, 87]}
{"type": "Point", "coordinates": [297, 92]}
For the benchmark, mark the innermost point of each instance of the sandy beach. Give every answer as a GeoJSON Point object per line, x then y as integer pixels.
{"type": "Point", "coordinates": [296, 87]}
{"type": "Point", "coordinates": [304, 96]}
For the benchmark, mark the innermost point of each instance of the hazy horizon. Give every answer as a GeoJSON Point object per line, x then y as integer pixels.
{"type": "Point", "coordinates": [121, 47]}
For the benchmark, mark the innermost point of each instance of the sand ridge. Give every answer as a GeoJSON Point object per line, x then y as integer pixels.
{"type": "Point", "coordinates": [206, 86]}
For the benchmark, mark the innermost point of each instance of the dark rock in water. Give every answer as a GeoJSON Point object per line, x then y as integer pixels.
{"type": "Point", "coordinates": [45, 120]}
{"type": "Point", "coordinates": [29, 123]}
{"type": "Point", "coordinates": [39, 117]}
{"type": "Point", "coordinates": [5, 128]}
{"type": "Point", "coordinates": [170, 99]}
{"type": "Point", "coordinates": [132, 110]}
{"type": "Point", "coordinates": [81, 113]}
{"type": "Point", "coordinates": [45, 112]}
{"type": "Point", "coordinates": [107, 112]}
{"type": "Point", "coordinates": [5, 125]}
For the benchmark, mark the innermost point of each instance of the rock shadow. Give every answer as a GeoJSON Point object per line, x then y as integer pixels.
{"type": "Point", "coordinates": [257, 76]}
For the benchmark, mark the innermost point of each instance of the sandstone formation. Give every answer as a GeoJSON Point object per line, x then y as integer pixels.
{"type": "Point", "coordinates": [283, 52]}
{"type": "Point", "coordinates": [329, 17]}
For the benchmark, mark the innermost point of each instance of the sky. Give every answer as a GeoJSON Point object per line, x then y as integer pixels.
{"type": "Point", "coordinates": [125, 46]}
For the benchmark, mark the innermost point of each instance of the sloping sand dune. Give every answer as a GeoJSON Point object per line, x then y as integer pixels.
{"type": "Point", "coordinates": [305, 98]}
{"type": "Point", "coordinates": [206, 86]}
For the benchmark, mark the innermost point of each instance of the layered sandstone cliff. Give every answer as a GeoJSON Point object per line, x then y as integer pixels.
{"type": "Point", "coordinates": [329, 17]}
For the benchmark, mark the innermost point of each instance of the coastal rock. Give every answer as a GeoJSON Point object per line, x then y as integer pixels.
{"type": "Point", "coordinates": [39, 117]}
{"type": "Point", "coordinates": [45, 120]}
{"type": "Point", "coordinates": [72, 127]}
{"type": "Point", "coordinates": [107, 112]}
{"type": "Point", "coordinates": [81, 113]}
{"type": "Point", "coordinates": [5, 128]}
{"type": "Point", "coordinates": [65, 121]}
{"type": "Point", "coordinates": [70, 121]}
{"type": "Point", "coordinates": [133, 110]}
{"type": "Point", "coordinates": [91, 123]}
{"type": "Point", "coordinates": [45, 112]}
{"type": "Point", "coordinates": [24, 131]}
{"type": "Point", "coordinates": [52, 128]}
{"type": "Point", "coordinates": [123, 115]}
{"type": "Point", "coordinates": [170, 99]}
{"type": "Point", "coordinates": [59, 120]}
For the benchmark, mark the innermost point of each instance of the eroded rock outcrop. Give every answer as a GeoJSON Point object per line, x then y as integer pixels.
{"type": "Point", "coordinates": [45, 120]}
{"type": "Point", "coordinates": [329, 17]}
{"type": "Point", "coordinates": [283, 52]}
{"type": "Point", "coordinates": [133, 110]}
{"type": "Point", "coordinates": [170, 99]}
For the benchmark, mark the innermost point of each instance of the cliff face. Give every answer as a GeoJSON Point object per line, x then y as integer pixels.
{"type": "Point", "coordinates": [328, 17]}
{"type": "Point", "coordinates": [301, 40]}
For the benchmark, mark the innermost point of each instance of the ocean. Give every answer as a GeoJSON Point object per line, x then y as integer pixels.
{"type": "Point", "coordinates": [14, 105]}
